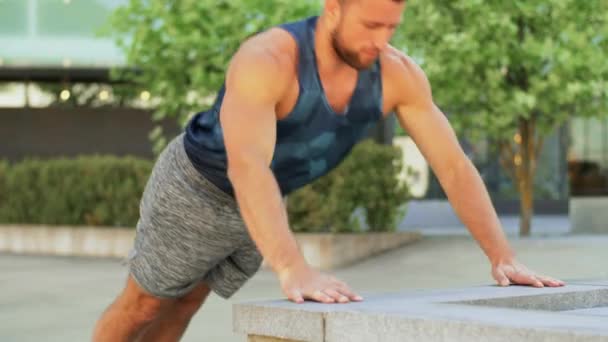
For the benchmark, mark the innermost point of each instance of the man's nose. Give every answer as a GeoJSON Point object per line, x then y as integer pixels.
{"type": "Point", "coordinates": [381, 38]}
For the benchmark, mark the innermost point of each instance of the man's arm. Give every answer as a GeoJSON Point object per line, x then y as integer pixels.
{"type": "Point", "coordinates": [256, 80]}
{"type": "Point", "coordinates": [249, 126]}
{"type": "Point", "coordinates": [459, 178]}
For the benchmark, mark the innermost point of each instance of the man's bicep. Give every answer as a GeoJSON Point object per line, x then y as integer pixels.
{"type": "Point", "coordinates": [249, 128]}
{"type": "Point", "coordinates": [248, 115]}
{"type": "Point", "coordinates": [428, 126]}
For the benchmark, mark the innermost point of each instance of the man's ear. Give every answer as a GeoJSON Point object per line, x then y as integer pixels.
{"type": "Point", "coordinates": [333, 12]}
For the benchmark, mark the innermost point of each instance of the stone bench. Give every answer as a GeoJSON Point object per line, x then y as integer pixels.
{"type": "Point", "coordinates": [576, 312]}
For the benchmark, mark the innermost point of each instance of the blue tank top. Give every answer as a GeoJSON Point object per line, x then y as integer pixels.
{"type": "Point", "coordinates": [311, 140]}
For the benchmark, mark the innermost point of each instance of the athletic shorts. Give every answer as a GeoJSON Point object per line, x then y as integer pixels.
{"type": "Point", "coordinates": [189, 231]}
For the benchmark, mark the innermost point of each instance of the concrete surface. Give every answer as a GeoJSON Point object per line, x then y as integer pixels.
{"type": "Point", "coordinates": [601, 311]}
{"type": "Point", "coordinates": [60, 298]}
{"type": "Point", "coordinates": [443, 223]}
{"type": "Point", "coordinates": [475, 313]}
{"type": "Point", "coordinates": [255, 338]}
{"type": "Point", "coordinates": [332, 251]}
{"type": "Point", "coordinates": [60, 240]}
{"type": "Point", "coordinates": [322, 251]}
{"type": "Point", "coordinates": [439, 213]}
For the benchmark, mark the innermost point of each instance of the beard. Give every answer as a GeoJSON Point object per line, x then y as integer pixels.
{"type": "Point", "coordinates": [349, 57]}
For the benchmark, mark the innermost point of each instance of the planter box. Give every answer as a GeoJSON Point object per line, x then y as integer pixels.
{"type": "Point", "coordinates": [323, 251]}
{"type": "Point", "coordinates": [66, 240]}
{"type": "Point", "coordinates": [588, 215]}
{"type": "Point", "coordinates": [331, 251]}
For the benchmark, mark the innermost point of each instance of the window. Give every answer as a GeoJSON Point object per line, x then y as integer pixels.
{"type": "Point", "coordinates": [588, 157]}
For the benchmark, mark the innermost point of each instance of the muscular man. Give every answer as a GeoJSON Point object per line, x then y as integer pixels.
{"type": "Point", "coordinates": [297, 97]}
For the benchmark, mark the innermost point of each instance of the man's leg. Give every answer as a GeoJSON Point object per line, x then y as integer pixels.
{"type": "Point", "coordinates": [174, 321]}
{"type": "Point", "coordinates": [138, 316]}
{"type": "Point", "coordinates": [132, 312]}
{"type": "Point", "coordinates": [186, 227]}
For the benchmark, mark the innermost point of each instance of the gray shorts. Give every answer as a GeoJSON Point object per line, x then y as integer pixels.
{"type": "Point", "coordinates": [189, 232]}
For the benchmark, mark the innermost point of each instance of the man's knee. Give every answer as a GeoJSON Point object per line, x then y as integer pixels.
{"type": "Point", "coordinates": [141, 306]}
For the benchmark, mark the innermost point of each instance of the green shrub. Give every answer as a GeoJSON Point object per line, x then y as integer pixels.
{"type": "Point", "coordinates": [91, 190]}
{"type": "Point", "coordinates": [105, 191]}
{"type": "Point", "coordinates": [365, 184]}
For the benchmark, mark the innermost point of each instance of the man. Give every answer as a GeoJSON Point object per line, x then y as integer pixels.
{"type": "Point", "coordinates": [296, 99]}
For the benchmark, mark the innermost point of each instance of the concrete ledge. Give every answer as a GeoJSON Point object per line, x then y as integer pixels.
{"type": "Point", "coordinates": [255, 338]}
{"type": "Point", "coordinates": [323, 251]}
{"type": "Point", "coordinates": [279, 323]}
{"type": "Point", "coordinates": [66, 240]}
{"type": "Point", "coordinates": [331, 251]}
{"type": "Point", "coordinates": [589, 215]}
{"type": "Point", "coordinates": [469, 314]}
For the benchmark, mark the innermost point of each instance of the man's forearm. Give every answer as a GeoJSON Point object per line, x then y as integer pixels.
{"type": "Point", "coordinates": [264, 213]}
{"type": "Point", "coordinates": [469, 198]}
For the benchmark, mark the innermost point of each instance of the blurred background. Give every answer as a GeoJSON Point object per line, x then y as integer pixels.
{"type": "Point", "coordinates": [57, 88]}
{"type": "Point", "coordinates": [91, 91]}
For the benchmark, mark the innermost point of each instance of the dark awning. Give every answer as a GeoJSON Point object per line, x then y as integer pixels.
{"type": "Point", "coordinates": [56, 74]}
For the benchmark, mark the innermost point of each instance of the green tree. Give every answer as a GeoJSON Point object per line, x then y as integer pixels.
{"type": "Point", "coordinates": [512, 71]}
{"type": "Point", "coordinates": [179, 50]}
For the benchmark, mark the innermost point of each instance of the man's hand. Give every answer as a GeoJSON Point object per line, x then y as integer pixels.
{"type": "Point", "coordinates": [302, 282]}
{"type": "Point", "coordinates": [512, 272]}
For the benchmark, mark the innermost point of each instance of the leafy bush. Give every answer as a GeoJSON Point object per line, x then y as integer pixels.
{"type": "Point", "coordinates": [365, 184]}
{"type": "Point", "coordinates": [92, 190]}
{"type": "Point", "coordinates": [105, 191]}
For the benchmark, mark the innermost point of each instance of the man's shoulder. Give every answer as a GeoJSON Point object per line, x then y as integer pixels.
{"type": "Point", "coordinates": [404, 80]}
{"type": "Point", "coordinates": [275, 44]}
{"type": "Point", "coordinates": [263, 66]}
{"type": "Point", "coordinates": [398, 66]}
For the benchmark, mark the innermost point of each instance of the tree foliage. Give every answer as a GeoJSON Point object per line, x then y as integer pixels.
{"type": "Point", "coordinates": [179, 50]}
{"type": "Point", "coordinates": [512, 71]}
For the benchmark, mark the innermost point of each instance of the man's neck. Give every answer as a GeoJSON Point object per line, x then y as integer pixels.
{"type": "Point", "coordinates": [328, 60]}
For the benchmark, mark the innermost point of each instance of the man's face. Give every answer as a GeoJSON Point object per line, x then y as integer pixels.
{"type": "Point", "coordinates": [364, 28]}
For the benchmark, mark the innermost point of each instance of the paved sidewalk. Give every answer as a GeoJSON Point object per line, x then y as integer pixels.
{"type": "Point", "coordinates": [59, 299]}
{"type": "Point", "coordinates": [542, 226]}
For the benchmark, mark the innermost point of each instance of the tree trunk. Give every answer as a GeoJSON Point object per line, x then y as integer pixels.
{"type": "Point", "coordinates": [519, 160]}
{"type": "Point", "coordinates": [526, 196]}
{"type": "Point", "coordinates": [525, 171]}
